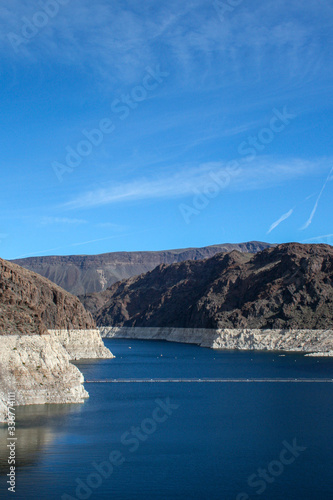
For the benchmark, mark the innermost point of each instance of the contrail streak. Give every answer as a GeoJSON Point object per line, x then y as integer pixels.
{"type": "Point", "coordinates": [308, 222]}
{"type": "Point", "coordinates": [281, 219]}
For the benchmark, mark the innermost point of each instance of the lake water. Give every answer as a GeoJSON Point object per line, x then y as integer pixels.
{"type": "Point", "coordinates": [142, 441]}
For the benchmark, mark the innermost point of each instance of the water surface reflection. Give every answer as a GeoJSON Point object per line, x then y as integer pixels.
{"type": "Point", "coordinates": [37, 426]}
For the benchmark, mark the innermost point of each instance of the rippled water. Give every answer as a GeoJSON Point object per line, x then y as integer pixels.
{"type": "Point", "coordinates": [181, 440]}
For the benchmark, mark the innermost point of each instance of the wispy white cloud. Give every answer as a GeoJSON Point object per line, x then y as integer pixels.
{"type": "Point", "coordinates": [262, 173]}
{"type": "Point", "coordinates": [116, 41]}
{"type": "Point", "coordinates": [322, 238]}
{"type": "Point", "coordinates": [60, 220]}
{"type": "Point", "coordinates": [79, 243]}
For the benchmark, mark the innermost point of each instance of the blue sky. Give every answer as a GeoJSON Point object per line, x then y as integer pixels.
{"type": "Point", "coordinates": [132, 125]}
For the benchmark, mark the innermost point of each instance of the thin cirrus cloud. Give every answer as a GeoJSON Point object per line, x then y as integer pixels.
{"type": "Point", "coordinates": [261, 174]}
{"type": "Point", "coordinates": [319, 239]}
{"type": "Point", "coordinates": [106, 34]}
{"type": "Point", "coordinates": [46, 221]}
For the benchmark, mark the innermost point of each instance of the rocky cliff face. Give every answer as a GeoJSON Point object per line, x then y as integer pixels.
{"type": "Point", "coordinates": [31, 304]}
{"type": "Point", "coordinates": [35, 361]}
{"type": "Point", "coordinates": [286, 287]}
{"type": "Point", "coordinates": [37, 368]}
{"type": "Point", "coordinates": [82, 344]}
{"type": "Point", "coordinates": [82, 274]}
{"type": "Point", "coordinates": [318, 341]}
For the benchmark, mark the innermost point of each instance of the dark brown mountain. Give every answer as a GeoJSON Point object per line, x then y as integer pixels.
{"type": "Point", "coordinates": [288, 286]}
{"type": "Point", "coordinates": [31, 304]}
{"type": "Point", "coordinates": [81, 274]}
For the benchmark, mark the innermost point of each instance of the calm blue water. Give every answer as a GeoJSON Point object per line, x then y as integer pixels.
{"type": "Point", "coordinates": [181, 441]}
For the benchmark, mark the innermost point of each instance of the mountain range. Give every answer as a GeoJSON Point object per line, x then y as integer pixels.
{"type": "Point", "coordinates": [82, 274]}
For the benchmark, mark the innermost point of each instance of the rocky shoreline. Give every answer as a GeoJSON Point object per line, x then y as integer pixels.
{"type": "Point", "coordinates": [38, 370]}
{"type": "Point", "coordinates": [310, 341]}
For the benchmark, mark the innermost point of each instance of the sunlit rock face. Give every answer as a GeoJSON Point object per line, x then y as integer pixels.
{"type": "Point", "coordinates": [38, 370]}
{"type": "Point", "coordinates": [245, 339]}
{"type": "Point", "coordinates": [82, 344]}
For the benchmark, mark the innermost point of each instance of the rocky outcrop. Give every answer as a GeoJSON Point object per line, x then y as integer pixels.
{"type": "Point", "coordinates": [31, 304]}
{"type": "Point", "coordinates": [321, 354]}
{"type": "Point", "coordinates": [34, 361]}
{"type": "Point", "coordinates": [82, 274]}
{"type": "Point", "coordinates": [82, 344]}
{"type": "Point", "coordinates": [243, 339]}
{"type": "Point", "coordinates": [37, 368]}
{"type": "Point", "coordinates": [289, 286]}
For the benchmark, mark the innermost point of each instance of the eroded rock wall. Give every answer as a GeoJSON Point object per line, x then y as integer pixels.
{"type": "Point", "coordinates": [82, 344]}
{"type": "Point", "coordinates": [246, 339]}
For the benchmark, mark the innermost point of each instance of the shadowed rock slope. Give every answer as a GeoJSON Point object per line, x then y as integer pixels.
{"type": "Point", "coordinates": [82, 274]}
{"type": "Point", "coordinates": [288, 286]}
{"type": "Point", "coordinates": [31, 304]}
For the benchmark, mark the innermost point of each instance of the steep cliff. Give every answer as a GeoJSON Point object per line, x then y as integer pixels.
{"type": "Point", "coordinates": [30, 304]}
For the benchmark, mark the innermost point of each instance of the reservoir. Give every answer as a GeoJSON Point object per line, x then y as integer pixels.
{"type": "Point", "coordinates": [176, 421]}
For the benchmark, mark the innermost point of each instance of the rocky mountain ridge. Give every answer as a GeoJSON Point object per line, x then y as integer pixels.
{"type": "Point", "coordinates": [289, 286]}
{"type": "Point", "coordinates": [82, 274]}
